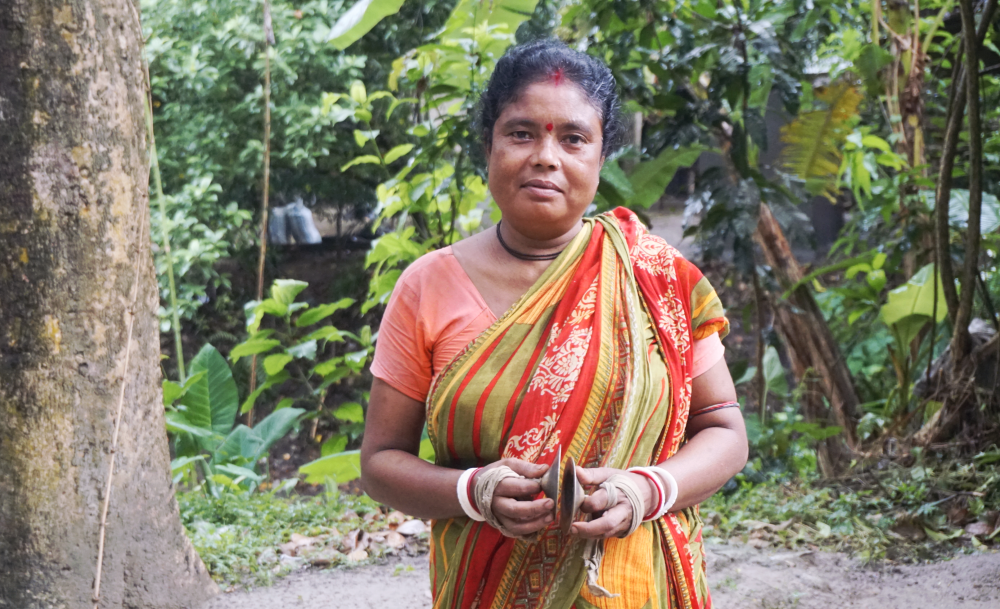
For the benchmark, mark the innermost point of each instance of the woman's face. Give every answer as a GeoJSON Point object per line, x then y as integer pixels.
{"type": "Point", "coordinates": [545, 160]}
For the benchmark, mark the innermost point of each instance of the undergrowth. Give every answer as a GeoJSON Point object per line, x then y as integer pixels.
{"type": "Point", "coordinates": [238, 534]}
{"type": "Point", "coordinates": [926, 510]}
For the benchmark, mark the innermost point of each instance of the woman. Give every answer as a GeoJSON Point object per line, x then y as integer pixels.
{"type": "Point", "coordinates": [554, 334]}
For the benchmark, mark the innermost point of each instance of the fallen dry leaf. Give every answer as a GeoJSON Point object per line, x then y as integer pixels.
{"type": "Point", "coordinates": [978, 528]}
{"type": "Point", "coordinates": [395, 540]}
{"type": "Point", "coordinates": [357, 555]}
{"type": "Point", "coordinates": [395, 518]}
{"type": "Point", "coordinates": [412, 527]}
{"type": "Point", "coordinates": [292, 547]}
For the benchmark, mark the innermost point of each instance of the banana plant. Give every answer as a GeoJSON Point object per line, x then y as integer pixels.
{"type": "Point", "coordinates": [909, 308]}
{"type": "Point", "coordinates": [201, 414]}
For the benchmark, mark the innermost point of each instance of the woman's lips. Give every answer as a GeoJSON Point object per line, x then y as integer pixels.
{"type": "Point", "coordinates": [541, 188]}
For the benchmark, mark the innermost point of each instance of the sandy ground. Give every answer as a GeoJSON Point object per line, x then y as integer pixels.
{"type": "Point", "coordinates": [741, 577]}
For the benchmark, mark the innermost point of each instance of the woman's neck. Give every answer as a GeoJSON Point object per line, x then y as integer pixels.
{"type": "Point", "coordinates": [529, 246]}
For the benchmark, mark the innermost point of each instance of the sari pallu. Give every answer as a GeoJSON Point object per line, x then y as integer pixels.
{"type": "Point", "coordinates": [594, 358]}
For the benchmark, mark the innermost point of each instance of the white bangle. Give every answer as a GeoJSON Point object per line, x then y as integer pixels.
{"type": "Point", "coordinates": [661, 494]}
{"type": "Point", "coordinates": [667, 497]}
{"type": "Point", "coordinates": [671, 482]}
{"type": "Point", "coordinates": [462, 489]}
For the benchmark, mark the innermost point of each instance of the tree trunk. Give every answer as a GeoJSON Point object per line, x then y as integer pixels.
{"type": "Point", "coordinates": [74, 229]}
{"type": "Point", "coordinates": [816, 358]}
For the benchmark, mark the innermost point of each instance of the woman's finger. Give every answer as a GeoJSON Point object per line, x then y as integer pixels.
{"type": "Point", "coordinates": [597, 502]}
{"type": "Point", "coordinates": [524, 528]}
{"type": "Point", "coordinates": [612, 523]}
{"type": "Point", "coordinates": [594, 475]}
{"type": "Point", "coordinates": [525, 468]}
{"type": "Point", "coordinates": [521, 510]}
{"type": "Point", "coordinates": [517, 487]}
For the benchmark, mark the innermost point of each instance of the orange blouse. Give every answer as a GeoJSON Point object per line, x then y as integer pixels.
{"type": "Point", "coordinates": [436, 311]}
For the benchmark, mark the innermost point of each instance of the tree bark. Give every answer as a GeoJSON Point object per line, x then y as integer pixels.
{"type": "Point", "coordinates": [74, 225]}
{"type": "Point", "coordinates": [816, 358]}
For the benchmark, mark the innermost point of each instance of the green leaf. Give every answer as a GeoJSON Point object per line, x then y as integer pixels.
{"type": "Point", "coordinates": [615, 186]}
{"type": "Point", "coordinates": [359, 20]}
{"type": "Point", "coordinates": [212, 401]}
{"type": "Point", "coordinates": [397, 152]}
{"type": "Point", "coordinates": [177, 422]}
{"type": "Point", "coordinates": [181, 463]}
{"type": "Point", "coordinates": [273, 364]}
{"type": "Point", "coordinates": [271, 381]}
{"type": "Point", "coordinates": [814, 139]}
{"type": "Point", "coordinates": [340, 467]}
{"type": "Point", "coordinates": [322, 312]}
{"type": "Point", "coordinates": [650, 178]}
{"type": "Point", "coordinates": [327, 333]}
{"type": "Point", "coordinates": [239, 473]}
{"type": "Point", "coordinates": [275, 427]}
{"type": "Point", "coordinates": [240, 446]}
{"type": "Point", "coordinates": [915, 298]}
{"type": "Point", "coordinates": [958, 211]}
{"type": "Point", "coordinates": [774, 372]}
{"type": "Point", "coordinates": [252, 347]}
{"type": "Point", "coordinates": [285, 290]}
{"type": "Point", "coordinates": [285, 403]}
{"type": "Point", "coordinates": [334, 444]}
{"type": "Point", "coordinates": [365, 159]}
{"type": "Point", "coordinates": [351, 412]}
{"type": "Point", "coordinates": [171, 391]}
{"type": "Point", "coordinates": [305, 349]}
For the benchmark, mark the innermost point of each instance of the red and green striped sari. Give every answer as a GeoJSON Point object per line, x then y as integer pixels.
{"type": "Point", "coordinates": [595, 358]}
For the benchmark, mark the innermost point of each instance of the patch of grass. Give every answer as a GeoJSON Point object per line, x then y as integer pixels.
{"type": "Point", "coordinates": [926, 510]}
{"type": "Point", "coordinates": [237, 535]}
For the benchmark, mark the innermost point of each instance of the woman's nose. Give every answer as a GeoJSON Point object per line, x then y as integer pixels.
{"type": "Point", "coordinates": [546, 152]}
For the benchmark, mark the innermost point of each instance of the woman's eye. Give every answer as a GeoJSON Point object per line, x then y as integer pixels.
{"type": "Point", "coordinates": [521, 135]}
{"type": "Point", "coordinates": [575, 140]}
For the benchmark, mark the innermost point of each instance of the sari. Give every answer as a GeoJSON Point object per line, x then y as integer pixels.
{"type": "Point", "coordinates": [595, 358]}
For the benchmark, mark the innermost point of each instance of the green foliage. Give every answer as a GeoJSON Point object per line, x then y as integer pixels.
{"type": "Point", "coordinates": [296, 346]}
{"type": "Point", "coordinates": [438, 193]}
{"type": "Point", "coordinates": [359, 20]}
{"type": "Point", "coordinates": [645, 184]}
{"type": "Point", "coordinates": [202, 422]}
{"type": "Point", "coordinates": [814, 139]}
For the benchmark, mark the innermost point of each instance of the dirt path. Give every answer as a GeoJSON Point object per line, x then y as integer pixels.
{"type": "Point", "coordinates": [741, 578]}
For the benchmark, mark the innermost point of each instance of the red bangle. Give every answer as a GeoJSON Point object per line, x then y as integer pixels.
{"type": "Point", "coordinates": [659, 496]}
{"type": "Point", "coordinates": [468, 490]}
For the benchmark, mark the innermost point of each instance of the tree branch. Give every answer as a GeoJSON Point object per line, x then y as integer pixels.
{"type": "Point", "coordinates": [961, 341]}
{"type": "Point", "coordinates": [956, 115]}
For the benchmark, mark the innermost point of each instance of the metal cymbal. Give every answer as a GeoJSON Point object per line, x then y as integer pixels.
{"type": "Point", "coordinates": [552, 480]}
{"type": "Point", "coordinates": [572, 497]}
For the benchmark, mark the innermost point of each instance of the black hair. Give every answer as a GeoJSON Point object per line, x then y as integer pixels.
{"type": "Point", "coordinates": [526, 64]}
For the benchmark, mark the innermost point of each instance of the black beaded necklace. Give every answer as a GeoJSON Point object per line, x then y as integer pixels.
{"type": "Point", "coordinates": [520, 256]}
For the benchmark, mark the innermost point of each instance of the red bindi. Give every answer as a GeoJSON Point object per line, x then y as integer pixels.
{"type": "Point", "coordinates": [557, 76]}
{"type": "Point", "coordinates": [550, 127]}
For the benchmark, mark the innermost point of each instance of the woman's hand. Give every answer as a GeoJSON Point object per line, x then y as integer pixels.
{"type": "Point", "coordinates": [513, 505]}
{"type": "Point", "coordinates": [616, 518]}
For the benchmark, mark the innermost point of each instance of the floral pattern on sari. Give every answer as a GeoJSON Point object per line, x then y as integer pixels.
{"type": "Point", "coordinates": [569, 366]}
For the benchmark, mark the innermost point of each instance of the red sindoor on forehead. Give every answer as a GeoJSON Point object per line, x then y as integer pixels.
{"type": "Point", "coordinates": [550, 127]}
{"type": "Point", "coordinates": [557, 76]}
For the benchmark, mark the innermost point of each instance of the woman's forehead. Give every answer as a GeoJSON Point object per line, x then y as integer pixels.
{"type": "Point", "coordinates": [549, 101]}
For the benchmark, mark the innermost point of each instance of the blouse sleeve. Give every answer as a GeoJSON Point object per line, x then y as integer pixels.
{"type": "Point", "coordinates": [707, 313]}
{"type": "Point", "coordinates": [402, 355]}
